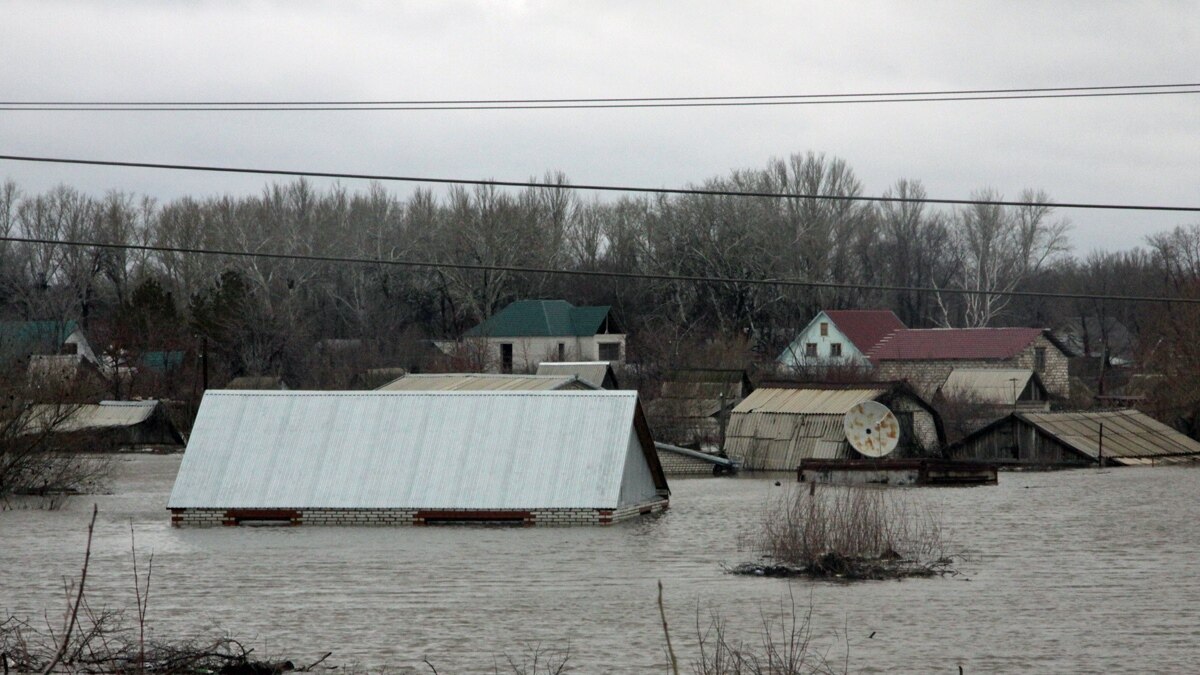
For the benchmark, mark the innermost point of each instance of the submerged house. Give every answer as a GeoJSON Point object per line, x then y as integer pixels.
{"type": "Point", "coordinates": [695, 403]}
{"type": "Point", "coordinates": [108, 425]}
{"type": "Point", "coordinates": [415, 458]}
{"type": "Point", "coordinates": [780, 424]}
{"type": "Point", "coordinates": [525, 333]}
{"type": "Point", "coordinates": [1075, 439]}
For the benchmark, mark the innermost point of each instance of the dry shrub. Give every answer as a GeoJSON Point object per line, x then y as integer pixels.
{"type": "Point", "coordinates": [853, 532]}
{"type": "Point", "coordinates": [784, 647]}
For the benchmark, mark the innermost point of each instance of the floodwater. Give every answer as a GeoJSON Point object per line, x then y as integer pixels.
{"type": "Point", "coordinates": [1082, 571]}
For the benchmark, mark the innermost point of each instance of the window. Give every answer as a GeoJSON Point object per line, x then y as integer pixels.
{"type": "Point", "coordinates": [1039, 358]}
{"type": "Point", "coordinates": [824, 329]}
{"type": "Point", "coordinates": [506, 361]}
{"type": "Point", "coordinates": [835, 349]}
{"type": "Point", "coordinates": [810, 349]}
{"type": "Point", "coordinates": [610, 351]}
{"type": "Point", "coordinates": [562, 351]}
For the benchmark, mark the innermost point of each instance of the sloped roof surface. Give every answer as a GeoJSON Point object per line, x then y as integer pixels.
{"type": "Point", "coordinates": [597, 373]}
{"type": "Point", "coordinates": [810, 401]}
{"type": "Point", "coordinates": [999, 386]}
{"type": "Point", "coordinates": [483, 382]}
{"type": "Point", "coordinates": [434, 450]}
{"type": "Point", "coordinates": [865, 327]}
{"type": "Point", "coordinates": [931, 344]}
{"type": "Point", "coordinates": [1129, 435]}
{"type": "Point", "coordinates": [27, 335]}
{"type": "Point", "coordinates": [105, 415]}
{"type": "Point", "coordinates": [542, 318]}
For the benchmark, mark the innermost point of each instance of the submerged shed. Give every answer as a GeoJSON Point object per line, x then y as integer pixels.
{"type": "Point", "coordinates": [695, 404]}
{"type": "Point", "coordinates": [1020, 387]}
{"type": "Point", "coordinates": [487, 382]}
{"type": "Point", "coordinates": [401, 458]}
{"type": "Point", "coordinates": [780, 424]}
{"type": "Point", "coordinates": [1122, 437]}
{"type": "Point", "coordinates": [598, 373]}
{"type": "Point", "coordinates": [108, 425]}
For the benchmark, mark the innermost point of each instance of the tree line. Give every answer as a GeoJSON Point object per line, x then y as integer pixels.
{"type": "Point", "coordinates": [266, 316]}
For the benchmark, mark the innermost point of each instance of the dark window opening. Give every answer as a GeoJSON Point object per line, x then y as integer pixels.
{"type": "Point", "coordinates": [810, 349]}
{"type": "Point", "coordinates": [506, 357]}
{"type": "Point", "coordinates": [1039, 359]}
{"type": "Point", "coordinates": [824, 329]}
{"type": "Point", "coordinates": [835, 349]}
{"type": "Point", "coordinates": [562, 351]}
{"type": "Point", "coordinates": [610, 351]}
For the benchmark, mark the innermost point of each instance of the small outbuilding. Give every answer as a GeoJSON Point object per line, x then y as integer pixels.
{"type": "Point", "coordinates": [418, 458]}
{"type": "Point", "coordinates": [1077, 438]}
{"type": "Point", "coordinates": [780, 424]}
{"type": "Point", "coordinates": [695, 403]}
{"type": "Point", "coordinates": [598, 373]}
{"type": "Point", "coordinates": [108, 425]}
{"type": "Point", "coordinates": [997, 387]}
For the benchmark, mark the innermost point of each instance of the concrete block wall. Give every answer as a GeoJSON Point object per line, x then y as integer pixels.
{"type": "Point", "coordinates": [409, 517]}
{"type": "Point", "coordinates": [674, 464]}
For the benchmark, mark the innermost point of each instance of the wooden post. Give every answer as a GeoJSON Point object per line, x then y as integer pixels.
{"type": "Point", "coordinates": [1100, 446]}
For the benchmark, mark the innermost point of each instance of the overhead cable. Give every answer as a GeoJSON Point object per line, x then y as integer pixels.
{"type": "Point", "coordinates": [521, 269]}
{"type": "Point", "coordinates": [593, 187]}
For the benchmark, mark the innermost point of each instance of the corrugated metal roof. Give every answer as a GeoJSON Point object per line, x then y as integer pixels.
{"type": "Point", "coordinates": [807, 401]}
{"type": "Point", "coordinates": [932, 344]}
{"type": "Point", "coordinates": [433, 450]}
{"type": "Point", "coordinates": [596, 373]}
{"type": "Point", "coordinates": [1000, 386]}
{"type": "Point", "coordinates": [1128, 434]}
{"type": "Point", "coordinates": [765, 441]}
{"type": "Point", "coordinates": [483, 382]}
{"type": "Point", "coordinates": [79, 417]}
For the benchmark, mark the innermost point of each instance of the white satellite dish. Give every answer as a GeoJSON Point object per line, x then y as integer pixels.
{"type": "Point", "coordinates": [872, 429]}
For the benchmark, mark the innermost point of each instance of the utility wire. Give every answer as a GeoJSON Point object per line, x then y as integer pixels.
{"type": "Point", "coordinates": [519, 269]}
{"type": "Point", "coordinates": [592, 187]}
{"type": "Point", "coordinates": [560, 106]}
{"type": "Point", "coordinates": [612, 102]}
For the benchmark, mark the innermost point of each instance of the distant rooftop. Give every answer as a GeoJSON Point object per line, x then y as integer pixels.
{"type": "Point", "coordinates": [543, 318]}
{"type": "Point", "coordinates": [931, 344]}
{"type": "Point", "coordinates": [865, 327]}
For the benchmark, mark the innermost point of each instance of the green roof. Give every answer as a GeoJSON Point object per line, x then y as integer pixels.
{"type": "Point", "coordinates": [162, 361]}
{"type": "Point", "coordinates": [34, 336]}
{"type": "Point", "coordinates": [542, 318]}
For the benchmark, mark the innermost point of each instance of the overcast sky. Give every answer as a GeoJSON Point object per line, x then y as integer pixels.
{"type": "Point", "coordinates": [1143, 150]}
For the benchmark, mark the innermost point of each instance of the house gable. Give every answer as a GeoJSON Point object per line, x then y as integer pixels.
{"type": "Point", "coordinates": [835, 347]}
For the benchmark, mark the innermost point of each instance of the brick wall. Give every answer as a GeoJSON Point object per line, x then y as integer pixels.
{"type": "Point", "coordinates": [675, 464]}
{"type": "Point", "coordinates": [399, 517]}
{"type": "Point", "coordinates": [928, 375]}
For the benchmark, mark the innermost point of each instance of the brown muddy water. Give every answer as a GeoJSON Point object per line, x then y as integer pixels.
{"type": "Point", "coordinates": [1073, 572]}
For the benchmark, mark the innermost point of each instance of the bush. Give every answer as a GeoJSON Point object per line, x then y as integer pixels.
{"type": "Point", "coordinates": [851, 532]}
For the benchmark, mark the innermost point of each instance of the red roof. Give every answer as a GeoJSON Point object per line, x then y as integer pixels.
{"type": "Point", "coordinates": [865, 327]}
{"type": "Point", "coordinates": [933, 344]}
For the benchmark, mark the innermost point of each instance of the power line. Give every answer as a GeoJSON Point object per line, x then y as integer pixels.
{"type": "Point", "coordinates": [592, 187]}
{"type": "Point", "coordinates": [563, 106]}
{"type": "Point", "coordinates": [611, 102]}
{"type": "Point", "coordinates": [650, 276]}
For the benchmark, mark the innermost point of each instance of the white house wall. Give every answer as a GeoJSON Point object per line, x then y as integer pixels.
{"type": "Point", "coordinates": [637, 483]}
{"type": "Point", "coordinates": [794, 355]}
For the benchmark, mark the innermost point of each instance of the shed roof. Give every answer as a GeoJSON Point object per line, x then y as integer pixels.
{"type": "Point", "coordinates": [433, 450]}
{"type": "Point", "coordinates": [44, 336]}
{"type": "Point", "coordinates": [934, 344]}
{"type": "Point", "coordinates": [542, 318]}
{"type": "Point", "coordinates": [1130, 436]}
{"type": "Point", "coordinates": [484, 382]}
{"type": "Point", "coordinates": [999, 386]}
{"type": "Point", "coordinates": [87, 416]}
{"type": "Point", "coordinates": [865, 327]}
{"type": "Point", "coordinates": [598, 373]}
{"type": "Point", "coordinates": [809, 401]}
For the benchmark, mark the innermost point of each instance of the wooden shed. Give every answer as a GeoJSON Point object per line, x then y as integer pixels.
{"type": "Point", "coordinates": [781, 424]}
{"type": "Point", "coordinates": [1070, 439]}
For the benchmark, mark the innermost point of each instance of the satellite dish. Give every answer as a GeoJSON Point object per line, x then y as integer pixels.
{"type": "Point", "coordinates": [872, 429]}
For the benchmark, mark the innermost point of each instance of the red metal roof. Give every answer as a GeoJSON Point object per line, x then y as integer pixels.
{"type": "Point", "coordinates": [865, 327]}
{"type": "Point", "coordinates": [933, 344]}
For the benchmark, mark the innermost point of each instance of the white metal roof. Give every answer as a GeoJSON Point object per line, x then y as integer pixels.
{"type": "Point", "coordinates": [69, 417]}
{"type": "Point", "coordinates": [432, 450]}
{"type": "Point", "coordinates": [1000, 386]}
{"type": "Point", "coordinates": [484, 382]}
{"type": "Point", "coordinates": [593, 372]}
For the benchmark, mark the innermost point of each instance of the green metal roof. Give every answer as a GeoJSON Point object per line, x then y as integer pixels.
{"type": "Point", "coordinates": [34, 336]}
{"type": "Point", "coordinates": [542, 318]}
